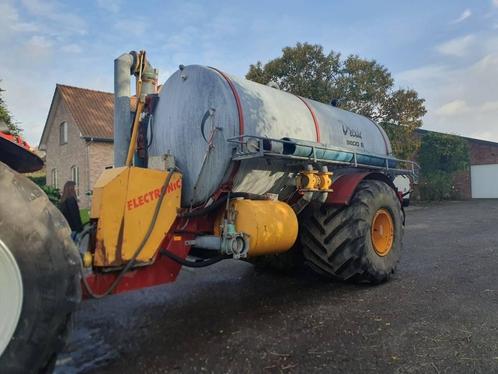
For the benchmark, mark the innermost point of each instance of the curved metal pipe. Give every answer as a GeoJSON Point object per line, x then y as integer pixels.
{"type": "Point", "coordinates": [125, 66]}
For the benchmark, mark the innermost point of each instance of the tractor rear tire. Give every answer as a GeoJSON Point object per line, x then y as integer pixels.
{"type": "Point", "coordinates": [39, 277]}
{"type": "Point", "coordinates": [361, 242]}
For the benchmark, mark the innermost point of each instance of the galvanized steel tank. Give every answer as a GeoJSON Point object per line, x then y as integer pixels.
{"type": "Point", "coordinates": [242, 107]}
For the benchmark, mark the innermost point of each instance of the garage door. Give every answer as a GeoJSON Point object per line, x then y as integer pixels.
{"type": "Point", "coordinates": [484, 181]}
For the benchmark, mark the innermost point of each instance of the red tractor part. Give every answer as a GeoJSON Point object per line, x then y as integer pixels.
{"type": "Point", "coordinates": [17, 154]}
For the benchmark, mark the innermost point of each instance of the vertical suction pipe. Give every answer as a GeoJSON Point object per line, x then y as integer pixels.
{"type": "Point", "coordinates": [125, 66]}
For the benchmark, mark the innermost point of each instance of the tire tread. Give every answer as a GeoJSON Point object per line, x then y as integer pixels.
{"type": "Point", "coordinates": [341, 233]}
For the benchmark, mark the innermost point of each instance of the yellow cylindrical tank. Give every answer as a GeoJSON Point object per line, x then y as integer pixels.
{"type": "Point", "coordinates": [271, 225]}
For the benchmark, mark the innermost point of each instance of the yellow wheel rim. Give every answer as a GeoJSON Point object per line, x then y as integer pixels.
{"type": "Point", "coordinates": [382, 232]}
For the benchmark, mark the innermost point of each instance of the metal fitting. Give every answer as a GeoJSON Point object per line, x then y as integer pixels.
{"type": "Point", "coordinates": [230, 243]}
{"type": "Point", "coordinates": [87, 259]}
{"type": "Point", "coordinates": [234, 243]}
{"type": "Point", "coordinates": [310, 180]}
{"type": "Point", "coordinates": [325, 179]}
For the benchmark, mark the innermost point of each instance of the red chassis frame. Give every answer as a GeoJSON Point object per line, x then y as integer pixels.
{"type": "Point", "coordinates": [165, 270]}
{"type": "Point", "coordinates": [162, 270]}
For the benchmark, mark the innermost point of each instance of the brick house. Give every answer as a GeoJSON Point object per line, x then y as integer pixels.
{"type": "Point", "coordinates": [78, 138]}
{"type": "Point", "coordinates": [480, 179]}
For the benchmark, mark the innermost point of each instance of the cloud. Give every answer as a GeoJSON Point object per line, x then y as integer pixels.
{"type": "Point", "coordinates": [453, 108]}
{"type": "Point", "coordinates": [458, 47]}
{"type": "Point", "coordinates": [132, 26]}
{"type": "Point", "coordinates": [181, 38]}
{"type": "Point", "coordinates": [64, 23]}
{"type": "Point", "coordinates": [424, 75]}
{"type": "Point", "coordinates": [112, 6]}
{"type": "Point", "coordinates": [72, 48]}
{"type": "Point", "coordinates": [39, 8]}
{"type": "Point", "coordinates": [39, 42]}
{"type": "Point", "coordinates": [495, 3]}
{"type": "Point", "coordinates": [32, 33]}
{"type": "Point", "coordinates": [11, 23]}
{"type": "Point", "coordinates": [465, 14]}
{"type": "Point", "coordinates": [25, 27]}
{"type": "Point", "coordinates": [459, 100]}
{"type": "Point", "coordinates": [490, 106]}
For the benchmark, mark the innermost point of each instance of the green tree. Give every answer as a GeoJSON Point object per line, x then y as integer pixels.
{"type": "Point", "coordinates": [359, 85]}
{"type": "Point", "coordinates": [304, 70]}
{"type": "Point", "coordinates": [6, 117]}
{"type": "Point", "coordinates": [440, 157]}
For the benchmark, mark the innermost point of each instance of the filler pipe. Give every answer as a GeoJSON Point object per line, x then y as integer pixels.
{"type": "Point", "coordinates": [125, 66]}
{"type": "Point", "coordinates": [122, 112]}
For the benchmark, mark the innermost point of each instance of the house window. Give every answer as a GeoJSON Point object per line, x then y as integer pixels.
{"type": "Point", "coordinates": [75, 175]}
{"type": "Point", "coordinates": [63, 133]}
{"type": "Point", "coordinates": [54, 180]}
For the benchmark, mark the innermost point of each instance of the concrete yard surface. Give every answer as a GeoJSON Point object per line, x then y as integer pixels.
{"type": "Point", "coordinates": [439, 313]}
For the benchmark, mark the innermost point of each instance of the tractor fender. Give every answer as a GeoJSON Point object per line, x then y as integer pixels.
{"type": "Point", "coordinates": [345, 186]}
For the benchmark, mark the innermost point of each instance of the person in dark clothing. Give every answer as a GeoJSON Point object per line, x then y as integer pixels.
{"type": "Point", "coordinates": [69, 208]}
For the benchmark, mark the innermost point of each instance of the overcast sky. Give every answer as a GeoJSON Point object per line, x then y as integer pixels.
{"type": "Point", "coordinates": [446, 50]}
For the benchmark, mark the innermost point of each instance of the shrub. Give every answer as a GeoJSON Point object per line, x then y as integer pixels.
{"type": "Point", "coordinates": [53, 193]}
{"type": "Point", "coordinates": [436, 185]}
{"type": "Point", "coordinates": [440, 157]}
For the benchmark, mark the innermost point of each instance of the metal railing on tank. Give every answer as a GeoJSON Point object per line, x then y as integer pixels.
{"type": "Point", "coordinates": [250, 147]}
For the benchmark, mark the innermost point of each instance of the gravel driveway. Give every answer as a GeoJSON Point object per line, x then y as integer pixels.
{"type": "Point", "coordinates": [439, 314]}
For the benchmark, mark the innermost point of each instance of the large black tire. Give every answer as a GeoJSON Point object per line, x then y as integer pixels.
{"type": "Point", "coordinates": [337, 242]}
{"type": "Point", "coordinates": [38, 237]}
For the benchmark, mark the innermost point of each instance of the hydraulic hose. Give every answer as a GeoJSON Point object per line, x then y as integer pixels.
{"type": "Point", "coordinates": [192, 264]}
{"type": "Point", "coordinates": [139, 249]}
{"type": "Point", "coordinates": [86, 231]}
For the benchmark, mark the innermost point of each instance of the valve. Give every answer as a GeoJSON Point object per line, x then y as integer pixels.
{"type": "Point", "coordinates": [231, 242]}
{"type": "Point", "coordinates": [325, 179]}
{"type": "Point", "coordinates": [234, 243]}
{"type": "Point", "coordinates": [311, 180]}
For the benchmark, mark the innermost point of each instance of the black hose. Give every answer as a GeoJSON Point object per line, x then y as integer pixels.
{"type": "Point", "coordinates": [220, 201]}
{"type": "Point", "coordinates": [192, 264]}
{"type": "Point", "coordinates": [150, 124]}
{"type": "Point", "coordinates": [86, 231]}
{"type": "Point", "coordinates": [203, 123]}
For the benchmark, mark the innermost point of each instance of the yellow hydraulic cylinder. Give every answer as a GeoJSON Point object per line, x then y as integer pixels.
{"type": "Point", "coordinates": [272, 226]}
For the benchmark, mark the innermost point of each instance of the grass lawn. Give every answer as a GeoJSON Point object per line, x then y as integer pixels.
{"type": "Point", "coordinates": [85, 216]}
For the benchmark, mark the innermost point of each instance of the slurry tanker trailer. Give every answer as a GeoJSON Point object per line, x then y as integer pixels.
{"type": "Point", "coordinates": [207, 167]}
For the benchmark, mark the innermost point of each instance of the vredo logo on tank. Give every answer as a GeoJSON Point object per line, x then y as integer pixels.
{"type": "Point", "coordinates": [354, 135]}
{"type": "Point", "coordinates": [152, 195]}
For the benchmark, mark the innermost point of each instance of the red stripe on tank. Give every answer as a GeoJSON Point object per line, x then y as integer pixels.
{"type": "Point", "coordinates": [315, 121]}
{"type": "Point", "coordinates": [227, 186]}
{"type": "Point", "coordinates": [240, 111]}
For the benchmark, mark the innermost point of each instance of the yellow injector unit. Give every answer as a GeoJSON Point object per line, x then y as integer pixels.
{"type": "Point", "coordinates": [124, 203]}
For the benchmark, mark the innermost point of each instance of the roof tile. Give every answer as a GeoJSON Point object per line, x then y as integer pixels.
{"type": "Point", "coordinates": [93, 111]}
